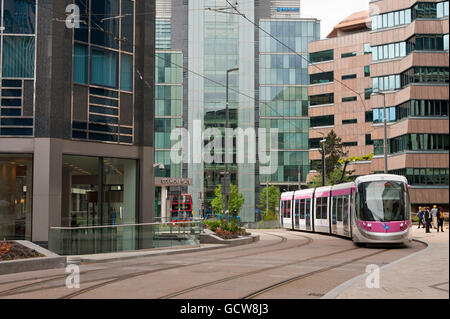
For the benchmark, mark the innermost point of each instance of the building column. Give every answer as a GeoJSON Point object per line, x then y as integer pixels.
{"type": "Point", "coordinates": [47, 180]}
{"type": "Point", "coordinates": [163, 204]}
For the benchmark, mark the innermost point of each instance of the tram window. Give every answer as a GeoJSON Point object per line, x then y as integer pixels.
{"type": "Point", "coordinates": [318, 208]}
{"type": "Point", "coordinates": [340, 207]}
{"type": "Point", "coordinates": [335, 208]}
{"type": "Point", "coordinates": [324, 208]}
{"type": "Point", "coordinates": [346, 201]}
{"type": "Point", "coordinates": [308, 206]}
{"type": "Point", "coordinates": [297, 207]}
{"type": "Point", "coordinates": [302, 209]}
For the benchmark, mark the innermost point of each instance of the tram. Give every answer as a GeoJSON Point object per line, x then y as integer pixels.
{"type": "Point", "coordinates": [181, 208]}
{"type": "Point", "coordinates": [372, 209]}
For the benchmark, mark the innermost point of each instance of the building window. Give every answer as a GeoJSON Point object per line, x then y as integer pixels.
{"type": "Point", "coordinates": [321, 99]}
{"type": "Point", "coordinates": [348, 54]}
{"type": "Point", "coordinates": [80, 64]}
{"type": "Point", "coordinates": [367, 48]}
{"type": "Point", "coordinates": [100, 191]}
{"type": "Point", "coordinates": [19, 16]}
{"type": "Point", "coordinates": [321, 56]}
{"type": "Point", "coordinates": [367, 70]}
{"type": "Point", "coordinates": [326, 120]}
{"type": "Point", "coordinates": [349, 99]}
{"type": "Point", "coordinates": [369, 116]}
{"type": "Point", "coordinates": [442, 9]}
{"type": "Point", "coordinates": [424, 176]}
{"type": "Point", "coordinates": [325, 77]}
{"type": "Point", "coordinates": [350, 121]}
{"type": "Point", "coordinates": [126, 72]}
{"type": "Point", "coordinates": [348, 144]}
{"type": "Point", "coordinates": [369, 139]}
{"type": "Point", "coordinates": [16, 196]}
{"type": "Point", "coordinates": [18, 57]}
{"type": "Point", "coordinates": [104, 68]}
{"type": "Point", "coordinates": [348, 77]}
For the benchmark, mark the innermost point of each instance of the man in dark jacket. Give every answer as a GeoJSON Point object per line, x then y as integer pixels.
{"type": "Point", "coordinates": [427, 220]}
{"type": "Point", "coordinates": [420, 217]}
{"type": "Point", "coordinates": [440, 219]}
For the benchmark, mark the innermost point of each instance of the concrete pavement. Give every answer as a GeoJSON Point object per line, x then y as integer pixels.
{"type": "Point", "coordinates": [422, 275]}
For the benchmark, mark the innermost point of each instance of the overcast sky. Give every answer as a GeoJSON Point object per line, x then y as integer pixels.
{"type": "Point", "coordinates": [331, 12]}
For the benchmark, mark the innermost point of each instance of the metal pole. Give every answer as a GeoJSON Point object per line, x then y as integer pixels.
{"type": "Point", "coordinates": [323, 163]}
{"type": "Point", "coordinates": [385, 135]}
{"type": "Point", "coordinates": [227, 119]}
{"type": "Point", "coordinates": [267, 196]}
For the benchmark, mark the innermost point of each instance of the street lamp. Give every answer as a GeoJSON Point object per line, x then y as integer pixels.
{"type": "Point", "coordinates": [227, 118]}
{"type": "Point", "coordinates": [385, 128]}
{"type": "Point", "coordinates": [322, 141]}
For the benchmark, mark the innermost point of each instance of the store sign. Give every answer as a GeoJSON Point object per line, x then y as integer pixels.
{"type": "Point", "coordinates": [166, 181]}
{"type": "Point", "coordinates": [288, 9]}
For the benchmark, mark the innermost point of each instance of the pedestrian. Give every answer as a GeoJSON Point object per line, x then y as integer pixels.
{"type": "Point", "coordinates": [440, 219]}
{"type": "Point", "coordinates": [434, 216]}
{"type": "Point", "coordinates": [420, 217]}
{"type": "Point", "coordinates": [427, 220]}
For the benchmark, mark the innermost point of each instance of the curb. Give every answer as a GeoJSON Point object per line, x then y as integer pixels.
{"type": "Point", "coordinates": [238, 241]}
{"type": "Point", "coordinates": [334, 293]}
{"type": "Point", "coordinates": [213, 239]}
{"type": "Point", "coordinates": [51, 261]}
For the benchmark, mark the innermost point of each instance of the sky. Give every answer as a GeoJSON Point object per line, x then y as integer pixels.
{"type": "Point", "coordinates": [331, 12]}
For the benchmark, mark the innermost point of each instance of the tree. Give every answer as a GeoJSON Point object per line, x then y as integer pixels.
{"type": "Point", "coordinates": [274, 202]}
{"type": "Point", "coordinates": [334, 151]}
{"type": "Point", "coordinates": [333, 179]}
{"type": "Point", "coordinates": [236, 200]}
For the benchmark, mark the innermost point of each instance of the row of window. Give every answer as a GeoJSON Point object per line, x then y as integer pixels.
{"type": "Point", "coordinates": [424, 176]}
{"type": "Point", "coordinates": [418, 42]}
{"type": "Point", "coordinates": [414, 142]}
{"type": "Point", "coordinates": [413, 75]}
{"type": "Point", "coordinates": [421, 10]}
{"type": "Point", "coordinates": [432, 108]}
{"type": "Point", "coordinates": [327, 98]}
{"type": "Point", "coordinates": [321, 56]}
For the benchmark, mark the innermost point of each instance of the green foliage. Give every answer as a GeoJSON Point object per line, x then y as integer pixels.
{"type": "Point", "coordinates": [236, 200]}
{"type": "Point", "coordinates": [274, 202]}
{"type": "Point", "coordinates": [333, 179]}
{"type": "Point", "coordinates": [222, 227]}
{"type": "Point", "coordinates": [334, 151]}
{"type": "Point", "coordinates": [367, 157]}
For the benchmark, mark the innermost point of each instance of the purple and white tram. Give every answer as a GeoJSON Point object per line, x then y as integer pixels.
{"type": "Point", "coordinates": [373, 209]}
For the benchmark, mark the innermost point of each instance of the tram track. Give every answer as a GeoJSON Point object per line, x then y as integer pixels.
{"type": "Point", "coordinates": [309, 274]}
{"type": "Point", "coordinates": [112, 279]}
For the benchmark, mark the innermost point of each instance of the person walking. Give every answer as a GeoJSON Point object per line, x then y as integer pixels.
{"type": "Point", "coordinates": [420, 217]}
{"type": "Point", "coordinates": [434, 212]}
{"type": "Point", "coordinates": [427, 220]}
{"type": "Point", "coordinates": [440, 219]}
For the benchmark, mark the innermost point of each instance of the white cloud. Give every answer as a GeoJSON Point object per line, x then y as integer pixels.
{"type": "Point", "coordinates": [331, 12]}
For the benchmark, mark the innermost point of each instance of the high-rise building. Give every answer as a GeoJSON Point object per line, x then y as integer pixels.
{"type": "Point", "coordinates": [77, 113]}
{"type": "Point", "coordinates": [395, 61]}
{"type": "Point", "coordinates": [213, 39]}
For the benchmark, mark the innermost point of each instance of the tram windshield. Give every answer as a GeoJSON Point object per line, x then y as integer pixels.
{"type": "Point", "coordinates": [383, 201]}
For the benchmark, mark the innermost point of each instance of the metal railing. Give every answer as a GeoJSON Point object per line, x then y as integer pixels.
{"type": "Point", "coordinates": [120, 238]}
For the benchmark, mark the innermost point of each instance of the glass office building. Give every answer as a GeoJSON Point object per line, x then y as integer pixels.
{"type": "Point", "coordinates": [76, 116]}
{"type": "Point", "coordinates": [283, 93]}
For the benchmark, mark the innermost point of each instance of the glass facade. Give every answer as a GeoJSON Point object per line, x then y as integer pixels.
{"type": "Point", "coordinates": [17, 66]}
{"type": "Point", "coordinates": [103, 60]}
{"type": "Point", "coordinates": [16, 194]}
{"type": "Point", "coordinates": [283, 92]}
{"type": "Point", "coordinates": [414, 142]}
{"type": "Point", "coordinates": [163, 34]}
{"type": "Point", "coordinates": [424, 176]}
{"type": "Point", "coordinates": [168, 108]}
{"type": "Point", "coordinates": [99, 191]}
{"type": "Point", "coordinates": [413, 108]}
